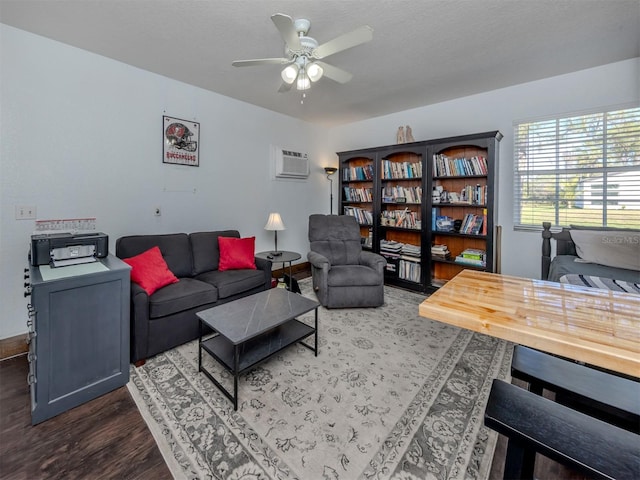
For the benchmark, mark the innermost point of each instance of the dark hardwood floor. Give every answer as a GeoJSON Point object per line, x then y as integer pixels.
{"type": "Point", "coordinates": [105, 438]}
{"type": "Point", "coordinates": [108, 439]}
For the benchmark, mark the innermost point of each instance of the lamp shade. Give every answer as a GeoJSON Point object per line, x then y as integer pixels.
{"type": "Point", "coordinates": [274, 222]}
{"type": "Point", "coordinates": [315, 72]}
{"type": "Point", "coordinates": [289, 74]}
{"type": "Point", "coordinates": [303, 82]}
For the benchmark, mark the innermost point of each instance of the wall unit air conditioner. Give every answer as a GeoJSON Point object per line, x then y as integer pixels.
{"type": "Point", "coordinates": [290, 164]}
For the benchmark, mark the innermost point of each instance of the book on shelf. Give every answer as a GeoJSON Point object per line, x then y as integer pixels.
{"type": "Point", "coordinates": [484, 221]}
{"type": "Point", "coordinates": [435, 213]}
{"type": "Point", "coordinates": [470, 261]}
{"type": "Point", "coordinates": [363, 217]}
{"type": "Point", "coordinates": [473, 195]}
{"type": "Point", "coordinates": [400, 194]}
{"type": "Point", "coordinates": [352, 194]}
{"type": "Point", "coordinates": [401, 170]}
{"type": "Point", "coordinates": [409, 270]}
{"type": "Point", "coordinates": [400, 218]}
{"type": "Point", "coordinates": [471, 224]}
{"type": "Point", "coordinates": [474, 256]}
{"type": "Point", "coordinates": [440, 252]}
{"type": "Point", "coordinates": [407, 257]}
{"type": "Point", "coordinates": [357, 173]}
{"type": "Point", "coordinates": [367, 242]}
{"type": "Point", "coordinates": [444, 166]}
{"type": "Point", "coordinates": [477, 225]}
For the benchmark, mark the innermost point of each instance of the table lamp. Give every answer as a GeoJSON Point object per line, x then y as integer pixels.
{"type": "Point", "coordinates": [275, 223]}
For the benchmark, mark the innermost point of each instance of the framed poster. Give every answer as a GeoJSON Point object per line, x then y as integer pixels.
{"type": "Point", "coordinates": [180, 141]}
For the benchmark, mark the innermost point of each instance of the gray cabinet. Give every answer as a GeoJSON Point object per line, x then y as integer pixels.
{"type": "Point", "coordinates": [79, 334]}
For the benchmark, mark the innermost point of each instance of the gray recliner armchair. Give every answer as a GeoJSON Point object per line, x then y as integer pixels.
{"type": "Point", "coordinates": [343, 274]}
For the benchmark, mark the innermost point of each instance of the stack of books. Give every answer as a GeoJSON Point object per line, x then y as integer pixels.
{"type": "Point", "coordinates": [440, 252]}
{"type": "Point", "coordinates": [472, 256]}
{"type": "Point", "coordinates": [391, 250]}
{"type": "Point", "coordinates": [409, 265]}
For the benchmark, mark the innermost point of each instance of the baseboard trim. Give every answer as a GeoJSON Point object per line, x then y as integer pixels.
{"type": "Point", "coordinates": [298, 267]}
{"type": "Point", "coordinates": [12, 346]}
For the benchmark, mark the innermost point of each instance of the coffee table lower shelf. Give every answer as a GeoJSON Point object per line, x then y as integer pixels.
{"type": "Point", "coordinates": [237, 359]}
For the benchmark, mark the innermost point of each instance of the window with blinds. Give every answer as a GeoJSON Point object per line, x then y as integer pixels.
{"type": "Point", "coordinates": [578, 170]}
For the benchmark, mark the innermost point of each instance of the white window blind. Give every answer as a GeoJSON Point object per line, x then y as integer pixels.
{"type": "Point", "coordinates": [578, 170]}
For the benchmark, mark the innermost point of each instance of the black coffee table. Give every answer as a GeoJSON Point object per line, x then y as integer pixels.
{"type": "Point", "coordinates": [252, 329]}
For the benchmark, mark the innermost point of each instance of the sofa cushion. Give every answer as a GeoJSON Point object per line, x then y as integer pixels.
{"type": "Point", "coordinates": [175, 249]}
{"type": "Point", "coordinates": [206, 254]}
{"type": "Point", "coordinates": [184, 295]}
{"type": "Point", "coordinates": [237, 253]}
{"type": "Point", "coordinates": [150, 271]}
{"type": "Point", "coordinates": [233, 282]}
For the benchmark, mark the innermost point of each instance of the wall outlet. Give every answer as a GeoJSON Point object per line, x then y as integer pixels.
{"type": "Point", "coordinates": [157, 212]}
{"type": "Point", "coordinates": [25, 212]}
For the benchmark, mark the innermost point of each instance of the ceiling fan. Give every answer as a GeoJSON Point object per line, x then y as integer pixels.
{"type": "Point", "coordinates": [302, 54]}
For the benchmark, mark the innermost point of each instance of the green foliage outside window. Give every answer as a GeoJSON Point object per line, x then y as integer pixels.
{"type": "Point", "coordinates": [581, 170]}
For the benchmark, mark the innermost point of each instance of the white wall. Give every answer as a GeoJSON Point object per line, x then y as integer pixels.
{"type": "Point", "coordinates": [613, 84]}
{"type": "Point", "coordinates": [82, 137]}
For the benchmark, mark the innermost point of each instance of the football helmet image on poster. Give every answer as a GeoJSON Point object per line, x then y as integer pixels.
{"type": "Point", "coordinates": [178, 136]}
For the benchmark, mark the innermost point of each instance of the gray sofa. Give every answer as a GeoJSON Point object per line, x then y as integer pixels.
{"type": "Point", "coordinates": [343, 274]}
{"type": "Point", "coordinates": [167, 318]}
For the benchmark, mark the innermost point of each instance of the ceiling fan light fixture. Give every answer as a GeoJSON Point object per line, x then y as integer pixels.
{"type": "Point", "coordinates": [289, 74]}
{"type": "Point", "coordinates": [315, 72]}
{"type": "Point", "coordinates": [303, 82]}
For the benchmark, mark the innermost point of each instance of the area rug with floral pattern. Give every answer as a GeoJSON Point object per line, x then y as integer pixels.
{"type": "Point", "coordinates": [391, 395]}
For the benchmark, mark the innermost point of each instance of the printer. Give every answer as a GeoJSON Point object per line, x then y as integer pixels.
{"type": "Point", "coordinates": [60, 249]}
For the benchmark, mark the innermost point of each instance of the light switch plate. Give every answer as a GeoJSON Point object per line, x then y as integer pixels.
{"type": "Point", "coordinates": [25, 212]}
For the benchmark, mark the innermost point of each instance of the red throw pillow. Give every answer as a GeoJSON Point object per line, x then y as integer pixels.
{"type": "Point", "coordinates": [150, 271]}
{"type": "Point", "coordinates": [236, 253]}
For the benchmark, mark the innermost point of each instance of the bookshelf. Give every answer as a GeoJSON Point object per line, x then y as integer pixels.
{"type": "Point", "coordinates": [400, 232]}
{"type": "Point", "coordinates": [357, 180]}
{"type": "Point", "coordinates": [389, 189]}
{"type": "Point", "coordinates": [396, 207]}
{"type": "Point", "coordinates": [462, 175]}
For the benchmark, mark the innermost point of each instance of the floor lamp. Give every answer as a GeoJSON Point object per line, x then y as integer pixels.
{"type": "Point", "coordinates": [330, 171]}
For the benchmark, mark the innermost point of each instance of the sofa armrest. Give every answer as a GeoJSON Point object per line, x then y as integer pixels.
{"type": "Point", "coordinates": [373, 260]}
{"type": "Point", "coordinates": [265, 265]}
{"type": "Point", "coordinates": [139, 323]}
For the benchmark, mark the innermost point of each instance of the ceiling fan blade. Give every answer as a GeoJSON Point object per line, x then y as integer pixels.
{"type": "Point", "coordinates": [285, 87]}
{"type": "Point", "coordinates": [260, 61]}
{"type": "Point", "coordinates": [358, 36]}
{"type": "Point", "coordinates": [334, 73]}
{"type": "Point", "coordinates": [284, 23]}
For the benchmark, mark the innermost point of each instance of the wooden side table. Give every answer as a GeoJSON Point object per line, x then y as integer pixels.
{"type": "Point", "coordinates": [284, 257]}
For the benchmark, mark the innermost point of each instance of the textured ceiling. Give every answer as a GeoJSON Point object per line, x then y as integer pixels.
{"type": "Point", "coordinates": [423, 51]}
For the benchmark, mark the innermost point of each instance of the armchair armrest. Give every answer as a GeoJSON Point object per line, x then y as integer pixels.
{"type": "Point", "coordinates": [318, 260]}
{"type": "Point", "coordinates": [373, 260]}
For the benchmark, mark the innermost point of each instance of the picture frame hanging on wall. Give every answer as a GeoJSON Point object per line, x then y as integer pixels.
{"type": "Point", "coordinates": [180, 141]}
